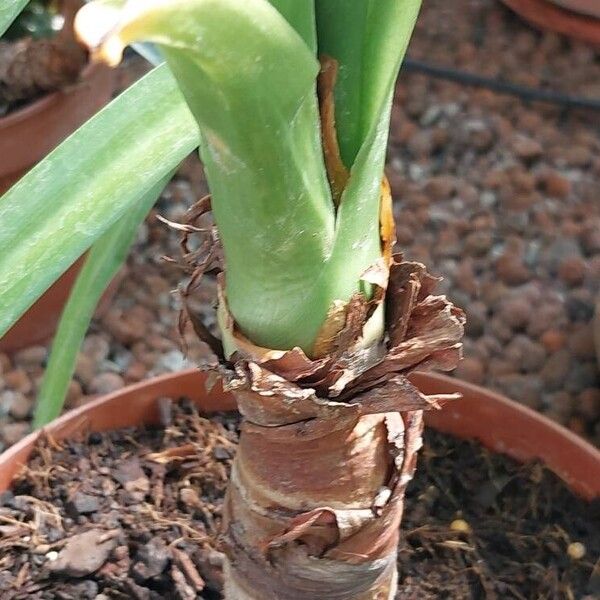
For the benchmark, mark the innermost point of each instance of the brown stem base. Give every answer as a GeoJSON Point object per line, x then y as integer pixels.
{"type": "Point", "coordinates": [326, 579]}
{"type": "Point", "coordinates": [313, 508]}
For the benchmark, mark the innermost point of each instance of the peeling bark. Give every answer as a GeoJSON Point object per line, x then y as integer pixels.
{"type": "Point", "coordinates": [329, 444]}
{"type": "Point", "coordinates": [313, 508]}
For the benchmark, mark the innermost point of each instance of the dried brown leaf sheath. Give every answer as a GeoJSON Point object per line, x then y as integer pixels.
{"type": "Point", "coordinates": [337, 173]}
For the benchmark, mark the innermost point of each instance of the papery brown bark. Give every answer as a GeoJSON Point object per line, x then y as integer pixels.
{"type": "Point", "coordinates": [313, 508]}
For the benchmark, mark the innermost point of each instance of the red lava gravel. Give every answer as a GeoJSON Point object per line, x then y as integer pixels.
{"type": "Point", "coordinates": [497, 195]}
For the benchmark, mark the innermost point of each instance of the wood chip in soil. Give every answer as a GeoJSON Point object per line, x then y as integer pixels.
{"type": "Point", "coordinates": [136, 514]}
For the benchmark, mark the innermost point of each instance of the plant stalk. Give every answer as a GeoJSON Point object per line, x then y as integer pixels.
{"type": "Point", "coordinates": [307, 513]}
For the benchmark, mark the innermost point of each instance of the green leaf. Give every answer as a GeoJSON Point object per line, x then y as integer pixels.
{"type": "Point", "coordinates": [249, 80]}
{"type": "Point", "coordinates": [104, 260]}
{"type": "Point", "coordinates": [342, 27]}
{"type": "Point", "coordinates": [65, 203]}
{"type": "Point", "coordinates": [300, 14]}
{"type": "Point", "coordinates": [9, 11]}
{"type": "Point", "coordinates": [368, 38]}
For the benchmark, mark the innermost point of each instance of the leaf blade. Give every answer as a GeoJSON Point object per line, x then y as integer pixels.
{"type": "Point", "coordinates": [67, 201]}
{"type": "Point", "coordinates": [9, 11]}
{"type": "Point", "coordinates": [104, 260]}
{"type": "Point", "coordinates": [249, 79]}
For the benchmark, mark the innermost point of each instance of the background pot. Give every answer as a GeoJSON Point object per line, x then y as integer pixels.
{"type": "Point", "coordinates": [29, 133]}
{"type": "Point", "coordinates": [499, 423]}
{"type": "Point", "coordinates": [585, 7]}
{"type": "Point", "coordinates": [26, 136]}
{"type": "Point", "coordinates": [567, 17]}
{"type": "Point", "coordinates": [38, 324]}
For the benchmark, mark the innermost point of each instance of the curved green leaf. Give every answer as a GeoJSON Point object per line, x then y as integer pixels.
{"type": "Point", "coordinates": [102, 263]}
{"type": "Point", "coordinates": [368, 39]}
{"type": "Point", "coordinates": [249, 80]}
{"type": "Point", "coordinates": [65, 203]}
{"type": "Point", "coordinates": [9, 11]}
{"type": "Point", "coordinates": [300, 14]}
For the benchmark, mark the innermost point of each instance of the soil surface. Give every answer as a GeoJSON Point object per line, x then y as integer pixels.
{"type": "Point", "coordinates": [136, 514]}
{"type": "Point", "coordinates": [497, 195]}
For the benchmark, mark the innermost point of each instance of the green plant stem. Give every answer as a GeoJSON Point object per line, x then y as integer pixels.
{"type": "Point", "coordinates": [249, 80]}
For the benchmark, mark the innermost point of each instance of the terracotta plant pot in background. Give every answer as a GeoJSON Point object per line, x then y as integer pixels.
{"type": "Point", "coordinates": [578, 19]}
{"type": "Point", "coordinates": [38, 324]}
{"type": "Point", "coordinates": [29, 133]}
{"type": "Point", "coordinates": [585, 7]}
{"type": "Point", "coordinates": [26, 136]}
{"type": "Point", "coordinates": [500, 424]}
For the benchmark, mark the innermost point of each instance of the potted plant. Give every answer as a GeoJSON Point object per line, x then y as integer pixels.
{"type": "Point", "coordinates": [320, 323]}
{"type": "Point", "coordinates": [47, 89]}
{"type": "Point", "coordinates": [509, 428]}
{"type": "Point", "coordinates": [578, 19]}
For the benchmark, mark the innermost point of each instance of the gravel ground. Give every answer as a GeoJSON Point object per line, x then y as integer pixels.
{"type": "Point", "coordinates": [498, 196]}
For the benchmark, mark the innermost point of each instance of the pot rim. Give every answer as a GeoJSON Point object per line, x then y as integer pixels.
{"type": "Point", "coordinates": [34, 108]}
{"type": "Point", "coordinates": [589, 8]}
{"type": "Point", "coordinates": [572, 458]}
{"type": "Point", "coordinates": [555, 16]}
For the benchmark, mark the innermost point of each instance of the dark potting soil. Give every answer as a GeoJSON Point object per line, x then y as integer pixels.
{"type": "Point", "coordinates": [136, 514]}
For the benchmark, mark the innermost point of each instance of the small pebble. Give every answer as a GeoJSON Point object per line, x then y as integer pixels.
{"type": "Point", "coordinates": [527, 148]}
{"type": "Point", "coordinates": [13, 432]}
{"type": "Point", "coordinates": [588, 403]}
{"type": "Point", "coordinates": [104, 383]}
{"type": "Point", "coordinates": [96, 347]}
{"type": "Point", "coordinates": [74, 393]}
{"type": "Point", "coordinates": [460, 525]}
{"type": "Point", "coordinates": [553, 340]}
{"type": "Point", "coordinates": [555, 369]}
{"type": "Point", "coordinates": [576, 550]}
{"type": "Point", "coordinates": [19, 405]}
{"type": "Point", "coordinates": [85, 369]}
{"type": "Point", "coordinates": [511, 270]}
{"type": "Point", "coordinates": [571, 270]}
{"type": "Point", "coordinates": [18, 380]}
{"type": "Point", "coordinates": [556, 185]}
{"type": "Point", "coordinates": [516, 312]}
{"type": "Point", "coordinates": [32, 356]}
{"type": "Point", "coordinates": [471, 369]}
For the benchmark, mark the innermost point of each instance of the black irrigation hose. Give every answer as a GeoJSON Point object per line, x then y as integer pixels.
{"type": "Point", "coordinates": [502, 87]}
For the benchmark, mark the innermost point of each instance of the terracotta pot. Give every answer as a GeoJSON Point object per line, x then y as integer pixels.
{"type": "Point", "coordinates": [596, 326]}
{"type": "Point", "coordinates": [499, 423]}
{"type": "Point", "coordinates": [38, 324]}
{"type": "Point", "coordinates": [26, 136]}
{"type": "Point", "coordinates": [546, 14]}
{"type": "Point", "coordinates": [585, 7]}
